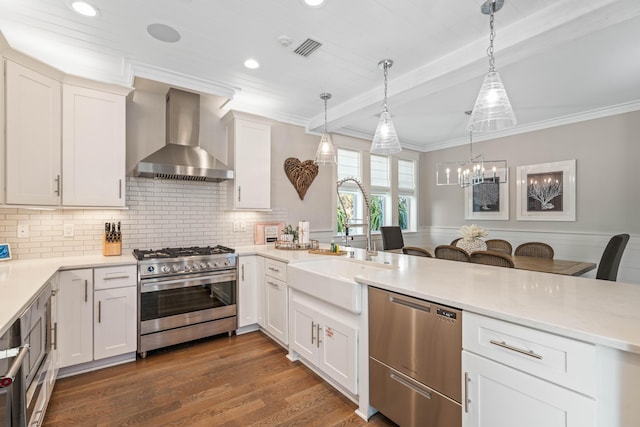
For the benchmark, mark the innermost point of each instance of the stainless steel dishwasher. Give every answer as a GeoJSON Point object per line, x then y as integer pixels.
{"type": "Point", "coordinates": [415, 352]}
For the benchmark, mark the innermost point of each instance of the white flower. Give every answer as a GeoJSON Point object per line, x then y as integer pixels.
{"type": "Point", "coordinates": [472, 231]}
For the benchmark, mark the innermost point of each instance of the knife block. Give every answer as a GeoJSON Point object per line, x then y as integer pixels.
{"type": "Point", "coordinates": [111, 248]}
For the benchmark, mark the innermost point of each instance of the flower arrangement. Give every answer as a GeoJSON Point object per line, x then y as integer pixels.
{"type": "Point", "coordinates": [470, 232]}
{"type": "Point", "coordinates": [290, 231]}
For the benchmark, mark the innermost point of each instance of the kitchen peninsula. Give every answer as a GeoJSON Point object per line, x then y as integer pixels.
{"type": "Point", "coordinates": [560, 307]}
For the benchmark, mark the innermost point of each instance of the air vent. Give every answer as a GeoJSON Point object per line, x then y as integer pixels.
{"type": "Point", "coordinates": [179, 177]}
{"type": "Point", "coordinates": [307, 47]}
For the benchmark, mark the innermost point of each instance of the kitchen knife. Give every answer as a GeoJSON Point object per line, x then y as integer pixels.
{"type": "Point", "coordinates": [118, 234]}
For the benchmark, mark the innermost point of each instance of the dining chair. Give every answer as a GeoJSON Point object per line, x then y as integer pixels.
{"type": "Point", "coordinates": [535, 249]}
{"type": "Point", "coordinates": [454, 241]}
{"type": "Point", "coordinates": [499, 245]}
{"type": "Point", "coordinates": [491, 258]}
{"type": "Point", "coordinates": [391, 237]}
{"type": "Point", "coordinates": [451, 252]}
{"type": "Point", "coordinates": [610, 260]}
{"type": "Point", "coordinates": [414, 250]}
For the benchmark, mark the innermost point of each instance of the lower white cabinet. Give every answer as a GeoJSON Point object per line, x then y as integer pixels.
{"type": "Point", "coordinates": [96, 323]}
{"type": "Point", "coordinates": [500, 396]}
{"type": "Point", "coordinates": [274, 300]}
{"type": "Point", "coordinates": [247, 291]}
{"type": "Point", "coordinates": [327, 337]}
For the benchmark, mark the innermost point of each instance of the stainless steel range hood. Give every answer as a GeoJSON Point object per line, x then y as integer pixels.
{"type": "Point", "coordinates": [182, 158]}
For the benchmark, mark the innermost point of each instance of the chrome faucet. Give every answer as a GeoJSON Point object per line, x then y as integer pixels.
{"type": "Point", "coordinates": [367, 204]}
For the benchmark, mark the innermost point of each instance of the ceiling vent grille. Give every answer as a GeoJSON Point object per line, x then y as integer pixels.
{"type": "Point", "coordinates": [307, 47]}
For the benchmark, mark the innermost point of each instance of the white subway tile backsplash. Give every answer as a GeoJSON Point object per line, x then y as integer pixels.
{"type": "Point", "coordinates": [160, 214]}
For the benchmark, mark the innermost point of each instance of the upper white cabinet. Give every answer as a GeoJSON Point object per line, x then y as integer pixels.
{"type": "Point", "coordinates": [93, 148]}
{"type": "Point", "coordinates": [250, 155]}
{"type": "Point", "coordinates": [65, 137]}
{"type": "Point", "coordinates": [33, 114]}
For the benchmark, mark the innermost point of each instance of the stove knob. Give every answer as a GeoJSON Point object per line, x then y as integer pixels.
{"type": "Point", "coordinates": [195, 267]}
{"type": "Point", "coordinates": [187, 267]}
{"type": "Point", "coordinates": [165, 269]}
{"type": "Point", "coordinates": [176, 268]}
{"type": "Point", "coordinates": [216, 264]}
{"type": "Point", "coordinates": [203, 266]}
{"type": "Point", "coordinates": [226, 263]}
{"type": "Point", "coordinates": [210, 264]}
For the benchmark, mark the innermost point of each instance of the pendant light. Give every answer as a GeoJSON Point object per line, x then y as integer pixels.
{"type": "Point", "coordinates": [492, 109]}
{"type": "Point", "coordinates": [385, 140]}
{"type": "Point", "coordinates": [326, 153]}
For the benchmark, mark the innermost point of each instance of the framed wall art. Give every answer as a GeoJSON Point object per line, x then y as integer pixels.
{"type": "Point", "coordinates": [547, 191]}
{"type": "Point", "coordinates": [487, 201]}
{"type": "Point", "coordinates": [267, 232]}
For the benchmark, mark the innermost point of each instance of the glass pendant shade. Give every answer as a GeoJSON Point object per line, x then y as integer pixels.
{"type": "Point", "coordinates": [385, 140]}
{"type": "Point", "coordinates": [492, 110]}
{"type": "Point", "coordinates": [326, 153]}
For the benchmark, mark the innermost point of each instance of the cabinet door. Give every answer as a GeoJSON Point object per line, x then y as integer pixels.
{"type": "Point", "coordinates": [275, 292]}
{"type": "Point", "coordinates": [304, 331]}
{"type": "Point", "coordinates": [75, 317]}
{"type": "Point", "coordinates": [93, 147]}
{"type": "Point", "coordinates": [247, 291]}
{"type": "Point", "coordinates": [339, 352]}
{"type": "Point", "coordinates": [33, 117]}
{"type": "Point", "coordinates": [499, 396]}
{"type": "Point", "coordinates": [252, 165]}
{"type": "Point", "coordinates": [115, 322]}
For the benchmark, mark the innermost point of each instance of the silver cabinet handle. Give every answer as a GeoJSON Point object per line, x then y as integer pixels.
{"type": "Point", "coordinates": [313, 327]}
{"type": "Point", "coordinates": [57, 180]}
{"type": "Point", "coordinates": [466, 392]}
{"type": "Point", "coordinates": [239, 192]}
{"type": "Point", "coordinates": [274, 269]}
{"type": "Point", "coordinates": [55, 336]}
{"type": "Point", "coordinates": [242, 275]}
{"type": "Point", "coordinates": [318, 341]}
{"type": "Point", "coordinates": [120, 189]}
{"type": "Point", "coordinates": [99, 311]}
{"type": "Point", "coordinates": [115, 277]}
{"type": "Point", "coordinates": [8, 378]}
{"type": "Point", "coordinates": [86, 285]}
{"type": "Point", "coordinates": [272, 283]}
{"type": "Point", "coordinates": [411, 304]}
{"type": "Point", "coordinates": [529, 353]}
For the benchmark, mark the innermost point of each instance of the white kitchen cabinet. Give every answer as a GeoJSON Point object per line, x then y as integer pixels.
{"type": "Point", "coordinates": [327, 338]}
{"type": "Point", "coordinates": [247, 291]}
{"type": "Point", "coordinates": [250, 154]}
{"type": "Point", "coordinates": [33, 143]}
{"type": "Point", "coordinates": [93, 147]}
{"type": "Point", "coordinates": [521, 376]}
{"type": "Point", "coordinates": [274, 300]}
{"type": "Point", "coordinates": [499, 396]}
{"type": "Point", "coordinates": [97, 314]}
{"type": "Point", "coordinates": [75, 317]}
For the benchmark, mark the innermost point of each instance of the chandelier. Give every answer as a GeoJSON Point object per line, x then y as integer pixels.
{"type": "Point", "coordinates": [473, 171]}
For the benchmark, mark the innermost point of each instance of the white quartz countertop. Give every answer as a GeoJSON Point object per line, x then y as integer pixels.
{"type": "Point", "coordinates": [21, 280]}
{"type": "Point", "coordinates": [595, 311]}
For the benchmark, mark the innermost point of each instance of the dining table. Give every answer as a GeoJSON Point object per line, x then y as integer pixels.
{"type": "Point", "coordinates": [552, 265]}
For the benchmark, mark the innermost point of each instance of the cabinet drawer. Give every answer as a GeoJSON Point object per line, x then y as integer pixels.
{"type": "Point", "coordinates": [558, 359]}
{"type": "Point", "coordinates": [408, 402]}
{"type": "Point", "coordinates": [275, 269]}
{"type": "Point", "coordinates": [114, 277]}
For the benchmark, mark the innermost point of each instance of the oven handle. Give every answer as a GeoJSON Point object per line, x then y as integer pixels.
{"type": "Point", "coordinates": [185, 282]}
{"type": "Point", "coordinates": [7, 380]}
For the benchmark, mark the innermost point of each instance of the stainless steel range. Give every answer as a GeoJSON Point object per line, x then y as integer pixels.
{"type": "Point", "coordinates": [185, 294]}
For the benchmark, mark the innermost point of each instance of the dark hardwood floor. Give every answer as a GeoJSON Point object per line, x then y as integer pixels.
{"type": "Point", "coordinates": [235, 381]}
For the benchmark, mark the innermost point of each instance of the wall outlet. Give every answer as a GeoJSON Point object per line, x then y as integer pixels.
{"type": "Point", "coordinates": [236, 227]}
{"type": "Point", "coordinates": [23, 231]}
{"type": "Point", "coordinates": [69, 230]}
{"type": "Point", "coordinates": [243, 226]}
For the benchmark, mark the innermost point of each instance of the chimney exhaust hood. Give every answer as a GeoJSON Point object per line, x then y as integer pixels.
{"type": "Point", "coordinates": [182, 158]}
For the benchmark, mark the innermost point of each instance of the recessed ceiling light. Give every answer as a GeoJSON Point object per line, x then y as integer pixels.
{"type": "Point", "coordinates": [314, 3]}
{"type": "Point", "coordinates": [164, 33]}
{"type": "Point", "coordinates": [251, 64]}
{"type": "Point", "coordinates": [84, 8]}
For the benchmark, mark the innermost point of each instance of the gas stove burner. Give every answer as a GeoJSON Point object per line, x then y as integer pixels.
{"type": "Point", "coordinates": [141, 254]}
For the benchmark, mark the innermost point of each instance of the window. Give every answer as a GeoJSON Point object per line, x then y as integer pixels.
{"type": "Point", "coordinates": [407, 206]}
{"type": "Point", "coordinates": [391, 182]}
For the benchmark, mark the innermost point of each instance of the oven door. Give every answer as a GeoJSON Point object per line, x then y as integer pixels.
{"type": "Point", "coordinates": [176, 301]}
{"type": "Point", "coordinates": [12, 357]}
